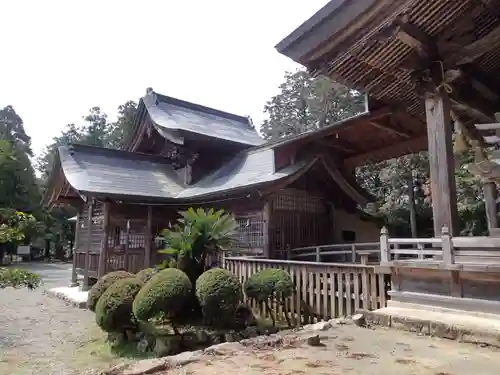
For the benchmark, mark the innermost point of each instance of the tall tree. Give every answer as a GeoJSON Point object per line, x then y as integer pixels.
{"type": "Point", "coordinates": [306, 103]}
{"type": "Point", "coordinates": [12, 129]}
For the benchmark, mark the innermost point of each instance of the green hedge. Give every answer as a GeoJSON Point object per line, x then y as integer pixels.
{"type": "Point", "coordinates": [102, 284]}
{"type": "Point", "coordinates": [114, 308]}
{"type": "Point", "coordinates": [166, 292]}
{"type": "Point", "coordinates": [219, 293]}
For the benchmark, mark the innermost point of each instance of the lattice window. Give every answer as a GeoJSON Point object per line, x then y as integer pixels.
{"type": "Point", "coordinates": [118, 238]}
{"type": "Point", "coordinates": [298, 202]}
{"type": "Point", "coordinates": [250, 231]}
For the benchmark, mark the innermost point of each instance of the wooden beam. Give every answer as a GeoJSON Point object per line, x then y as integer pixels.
{"type": "Point", "coordinates": [127, 246]}
{"type": "Point", "coordinates": [149, 238]}
{"type": "Point", "coordinates": [74, 277]}
{"type": "Point", "coordinates": [476, 49]}
{"type": "Point", "coordinates": [415, 38]}
{"type": "Point", "coordinates": [387, 152]}
{"type": "Point", "coordinates": [490, 198]}
{"type": "Point", "coordinates": [85, 285]}
{"type": "Point", "coordinates": [336, 145]}
{"type": "Point", "coordinates": [390, 129]}
{"type": "Point", "coordinates": [103, 256]}
{"type": "Point", "coordinates": [441, 162]}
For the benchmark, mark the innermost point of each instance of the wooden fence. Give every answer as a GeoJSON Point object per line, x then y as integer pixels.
{"type": "Point", "coordinates": [474, 253]}
{"type": "Point", "coordinates": [361, 252]}
{"type": "Point", "coordinates": [322, 290]}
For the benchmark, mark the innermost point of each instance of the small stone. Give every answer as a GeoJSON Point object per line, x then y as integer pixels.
{"type": "Point", "coordinates": [230, 337]}
{"type": "Point", "coordinates": [251, 332]}
{"type": "Point", "coordinates": [202, 337]}
{"type": "Point", "coordinates": [321, 326]}
{"type": "Point", "coordinates": [143, 346]}
{"type": "Point", "coordinates": [313, 340]}
{"type": "Point", "coordinates": [167, 345]}
{"type": "Point", "coordinates": [359, 320]}
{"type": "Point", "coordinates": [215, 338]}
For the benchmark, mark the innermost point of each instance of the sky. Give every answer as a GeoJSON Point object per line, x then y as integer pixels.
{"type": "Point", "coordinates": [60, 58]}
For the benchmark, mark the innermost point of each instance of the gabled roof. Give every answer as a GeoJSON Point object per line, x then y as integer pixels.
{"type": "Point", "coordinates": [100, 170]}
{"type": "Point", "coordinates": [103, 171]}
{"type": "Point", "coordinates": [174, 118]}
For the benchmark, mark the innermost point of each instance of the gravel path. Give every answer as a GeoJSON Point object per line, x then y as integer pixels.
{"type": "Point", "coordinates": [40, 334]}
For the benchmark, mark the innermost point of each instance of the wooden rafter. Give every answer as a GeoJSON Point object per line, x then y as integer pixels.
{"type": "Point", "coordinates": [390, 128]}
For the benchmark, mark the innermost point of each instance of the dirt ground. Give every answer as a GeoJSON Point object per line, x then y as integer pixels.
{"type": "Point", "coordinates": [348, 349]}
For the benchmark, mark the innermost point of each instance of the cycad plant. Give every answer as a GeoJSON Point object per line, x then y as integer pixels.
{"type": "Point", "coordinates": [197, 234]}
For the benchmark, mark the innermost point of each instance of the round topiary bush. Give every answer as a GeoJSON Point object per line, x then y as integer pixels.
{"type": "Point", "coordinates": [219, 293]}
{"type": "Point", "coordinates": [166, 292]}
{"type": "Point", "coordinates": [102, 284]}
{"type": "Point", "coordinates": [113, 312]}
{"type": "Point", "coordinates": [267, 283]}
{"type": "Point", "coordinates": [146, 274]}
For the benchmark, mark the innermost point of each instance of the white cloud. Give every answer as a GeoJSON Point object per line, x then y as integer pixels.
{"type": "Point", "coordinates": [62, 57]}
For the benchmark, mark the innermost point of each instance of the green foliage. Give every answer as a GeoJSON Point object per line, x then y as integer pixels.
{"type": "Point", "coordinates": [102, 285]}
{"type": "Point", "coordinates": [17, 278]}
{"type": "Point", "coordinates": [219, 293]}
{"type": "Point", "coordinates": [166, 292]}
{"type": "Point", "coordinates": [114, 308]}
{"type": "Point", "coordinates": [146, 274]}
{"type": "Point", "coordinates": [306, 103]}
{"type": "Point", "coordinates": [268, 284]}
{"type": "Point", "coordinates": [14, 225]}
{"type": "Point", "coordinates": [198, 234]}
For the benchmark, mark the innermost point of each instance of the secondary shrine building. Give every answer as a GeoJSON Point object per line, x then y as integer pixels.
{"type": "Point", "coordinates": [291, 193]}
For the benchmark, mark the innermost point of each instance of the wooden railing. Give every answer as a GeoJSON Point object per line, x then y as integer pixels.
{"type": "Point", "coordinates": [93, 261]}
{"type": "Point", "coordinates": [115, 261]}
{"type": "Point", "coordinates": [446, 251]}
{"type": "Point", "coordinates": [361, 252]}
{"type": "Point", "coordinates": [322, 290]}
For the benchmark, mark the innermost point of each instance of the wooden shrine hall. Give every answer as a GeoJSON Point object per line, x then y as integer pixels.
{"type": "Point", "coordinates": [296, 192]}
{"type": "Point", "coordinates": [439, 62]}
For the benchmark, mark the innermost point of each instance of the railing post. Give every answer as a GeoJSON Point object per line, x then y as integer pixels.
{"type": "Point", "coordinates": [447, 246]}
{"type": "Point", "coordinates": [353, 253]}
{"type": "Point", "coordinates": [318, 254]}
{"type": "Point", "coordinates": [385, 251]}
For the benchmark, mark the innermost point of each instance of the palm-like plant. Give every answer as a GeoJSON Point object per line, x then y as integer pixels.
{"type": "Point", "coordinates": [197, 234]}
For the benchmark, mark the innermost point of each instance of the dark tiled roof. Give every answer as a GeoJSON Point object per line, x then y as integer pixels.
{"type": "Point", "coordinates": [170, 114]}
{"type": "Point", "coordinates": [100, 170]}
{"type": "Point", "coordinates": [105, 171]}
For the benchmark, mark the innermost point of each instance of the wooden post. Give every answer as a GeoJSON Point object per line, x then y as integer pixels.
{"type": "Point", "coordinates": [74, 276]}
{"type": "Point", "coordinates": [266, 230]}
{"type": "Point", "coordinates": [447, 246]}
{"type": "Point", "coordinates": [353, 253]}
{"type": "Point", "coordinates": [318, 254]}
{"type": "Point", "coordinates": [149, 238]}
{"type": "Point", "coordinates": [441, 162]}
{"type": "Point", "coordinates": [85, 285]}
{"type": "Point", "coordinates": [490, 202]}
{"type": "Point", "coordinates": [411, 205]}
{"type": "Point", "coordinates": [103, 255]}
{"type": "Point", "coordinates": [127, 245]}
{"type": "Point", "coordinates": [385, 250]}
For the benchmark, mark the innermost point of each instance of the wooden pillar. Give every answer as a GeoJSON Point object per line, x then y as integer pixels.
{"type": "Point", "coordinates": [74, 276]}
{"type": "Point", "coordinates": [148, 248]}
{"type": "Point", "coordinates": [85, 285]}
{"type": "Point", "coordinates": [103, 256]}
{"type": "Point", "coordinates": [127, 246]}
{"type": "Point", "coordinates": [490, 202]}
{"type": "Point", "coordinates": [266, 230]}
{"type": "Point", "coordinates": [411, 205]}
{"type": "Point", "coordinates": [441, 162]}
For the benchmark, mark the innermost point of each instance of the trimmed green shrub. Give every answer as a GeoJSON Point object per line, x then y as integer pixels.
{"type": "Point", "coordinates": [269, 283]}
{"type": "Point", "coordinates": [166, 292]}
{"type": "Point", "coordinates": [102, 284]}
{"type": "Point", "coordinates": [219, 293]}
{"type": "Point", "coordinates": [146, 274]}
{"type": "Point", "coordinates": [113, 312]}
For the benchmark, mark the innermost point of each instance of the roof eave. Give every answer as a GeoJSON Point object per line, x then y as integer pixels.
{"type": "Point", "coordinates": [322, 26]}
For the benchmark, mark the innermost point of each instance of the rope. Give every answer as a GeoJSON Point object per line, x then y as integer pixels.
{"type": "Point", "coordinates": [447, 87]}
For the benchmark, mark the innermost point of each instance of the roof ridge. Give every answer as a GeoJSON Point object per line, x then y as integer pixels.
{"type": "Point", "coordinates": [120, 153]}
{"type": "Point", "coordinates": [202, 108]}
